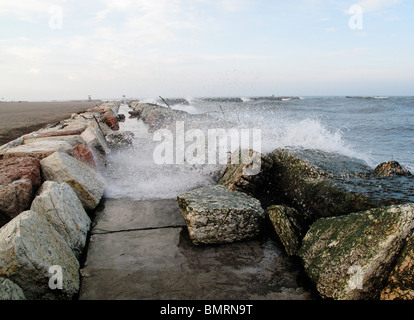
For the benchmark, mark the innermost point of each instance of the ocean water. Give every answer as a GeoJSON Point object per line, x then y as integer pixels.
{"type": "Point", "coordinates": [365, 131]}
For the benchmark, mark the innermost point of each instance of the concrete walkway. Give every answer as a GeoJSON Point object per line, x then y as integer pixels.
{"type": "Point", "coordinates": [141, 250]}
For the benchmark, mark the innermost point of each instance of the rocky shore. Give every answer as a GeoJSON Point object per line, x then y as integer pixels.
{"type": "Point", "coordinates": [49, 187]}
{"type": "Point", "coordinates": [352, 243]}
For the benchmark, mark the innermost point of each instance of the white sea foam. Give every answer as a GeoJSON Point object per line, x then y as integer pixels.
{"type": "Point", "coordinates": [187, 108]}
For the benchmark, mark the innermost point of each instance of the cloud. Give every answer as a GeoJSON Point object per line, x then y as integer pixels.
{"type": "Point", "coordinates": [27, 10]}
{"type": "Point", "coordinates": [377, 5]}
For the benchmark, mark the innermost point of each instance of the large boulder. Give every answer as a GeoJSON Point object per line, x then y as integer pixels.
{"type": "Point", "coordinates": [73, 140]}
{"type": "Point", "coordinates": [214, 214]}
{"type": "Point", "coordinates": [29, 247]}
{"type": "Point", "coordinates": [84, 154]}
{"type": "Point", "coordinates": [39, 149]}
{"type": "Point", "coordinates": [95, 138]}
{"type": "Point", "coordinates": [252, 177]}
{"type": "Point", "coordinates": [19, 180]}
{"type": "Point", "coordinates": [111, 121]}
{"type": "Point", "coordinates": [287, 179]}
{"type": "Point", "coordinates": [288, 224]}
{"type": "Point", "coordinates": [400, 284]}
{"type": "Point", "coordinates": [86, 182]}
{"type": "Point", "coordinates": [390, 169]}
{"type": "Point", "coordinates": [10, 291]}
{"type": "Point", "coordinates": [349, 257]}
{"type": "Point", "coordinates": [61, 207]}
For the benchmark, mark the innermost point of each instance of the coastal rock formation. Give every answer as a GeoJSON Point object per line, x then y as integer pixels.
{"type": "Point", "coordinates": [95, 138]}
{"type": "Point", "coordinates": [73, 140]}
{"type": "Point", "coordinates": [84, 154]}
{"type": "Point", "coordinates": [390, 169]}
{"type": "Point", "coordinates": [10, 291]}
{"type": "Point", "coordinates": [286, 179]}
{"type": "Point", "coordinates": [288, 225]}
{"type": "Point", "coordinates": [59, 204]}
{"type": "Point", "coordinates": [11, 144]}
{"type": "Point", "coordinates": [29, 246]}
{"type": "Point", "coordinates": [400, 284]}
{"type": "Point", "coordinates": [155, 116]}
{"type": "Point", "coordinates": [87, 184]}
{"type": "Point", "coordinates": [38, 149]}
{"type": "Point", "coordinates": [349, 257]}
{"type": "Point", "coordinates": [19, 180]}
{"type": "Point", "coordinates": [119, 139]}
{"type": "Point", "coordinates": [216, 215]}
{"type": "Point", "coordinates": [63, 128]}
{"type": "Point", "coordinates": [252, 177]}
{"type": "Point", "coordinates": [111, 120]}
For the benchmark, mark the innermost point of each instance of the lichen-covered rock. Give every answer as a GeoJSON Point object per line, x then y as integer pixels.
{"type": "Point", "coordinates": [10, 291]}
{"type": "Point", "coordinates": [216, 215]}
{"type": "Point", "coordinates": [286, 179]}
{"type": "Point", "coordinates": [59, 204]}
{"type": "Point", "coordinates": [349, 257]}
{"type": "Point", "coordinates": [390, 169]}
{"type": "Point", "coordinates": [289, 226]}
{"type": "Point", "coordinates": [19, 180]}
{"type": "Point", "coordinates": [29, 246]}
{"type": "Point", "coordinates": [86, 182]}
{"type": "Point", "coordinates": [400, 285]}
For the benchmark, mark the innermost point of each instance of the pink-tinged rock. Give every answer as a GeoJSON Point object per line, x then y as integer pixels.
{"type": "Point", "coordinates": [19, 180]}
{"type": "Point", "coordinates": [111, 121]}
{"type": "Point", "coordinates": [84, 154]}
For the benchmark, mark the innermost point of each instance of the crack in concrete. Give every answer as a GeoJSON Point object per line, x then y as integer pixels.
{"type": "Point", "coordinates": [139, 229]}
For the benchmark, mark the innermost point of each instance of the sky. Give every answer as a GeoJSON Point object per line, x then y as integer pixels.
{"type": "Point", "coordinates": [72, 49]}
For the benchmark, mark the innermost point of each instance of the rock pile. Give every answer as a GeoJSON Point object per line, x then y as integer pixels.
{"type": "Point", "coordinates": [49, 185]}
{"type": "Point", "coordinates": [352, 246]}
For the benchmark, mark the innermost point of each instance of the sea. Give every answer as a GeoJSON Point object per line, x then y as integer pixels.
{"type": "Point", "coordinates": [343, 134]}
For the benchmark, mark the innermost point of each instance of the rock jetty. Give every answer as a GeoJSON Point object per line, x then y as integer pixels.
{"type": "Point", "coordinates": [49, 186]}
{"type": "Point", "coordinates": [353, 245]}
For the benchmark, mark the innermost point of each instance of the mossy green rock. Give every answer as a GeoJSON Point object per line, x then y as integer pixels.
{"type": "Point", "coordinates": [350, 257]}
{"type": "Point", "coordinates": [400, 285]}
{"type": "Point", "coordinates": [216, 215]}
{"type": "Point", "coordinates": [288, 224]}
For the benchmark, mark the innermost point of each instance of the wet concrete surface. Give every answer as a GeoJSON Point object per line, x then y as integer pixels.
{"type": "Point", "coordinates": [141, 250]}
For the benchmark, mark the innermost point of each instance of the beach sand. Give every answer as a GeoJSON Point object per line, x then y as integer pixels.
{"type": "Point", "coordinates": [19, 118]}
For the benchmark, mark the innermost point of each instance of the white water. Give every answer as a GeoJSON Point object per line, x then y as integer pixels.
{"type": "Point", "coordinates": [133, 173]}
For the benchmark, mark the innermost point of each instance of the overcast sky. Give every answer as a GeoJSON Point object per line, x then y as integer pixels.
{"type": "Point", "coordinates": [57, 49]}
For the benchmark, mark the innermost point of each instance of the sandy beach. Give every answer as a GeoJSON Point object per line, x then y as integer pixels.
{"type": "Point", "coordinates": [19, 118]}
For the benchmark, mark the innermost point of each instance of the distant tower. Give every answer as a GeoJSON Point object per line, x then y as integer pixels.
{"type": "Point", "coordinates": [89, 97]}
